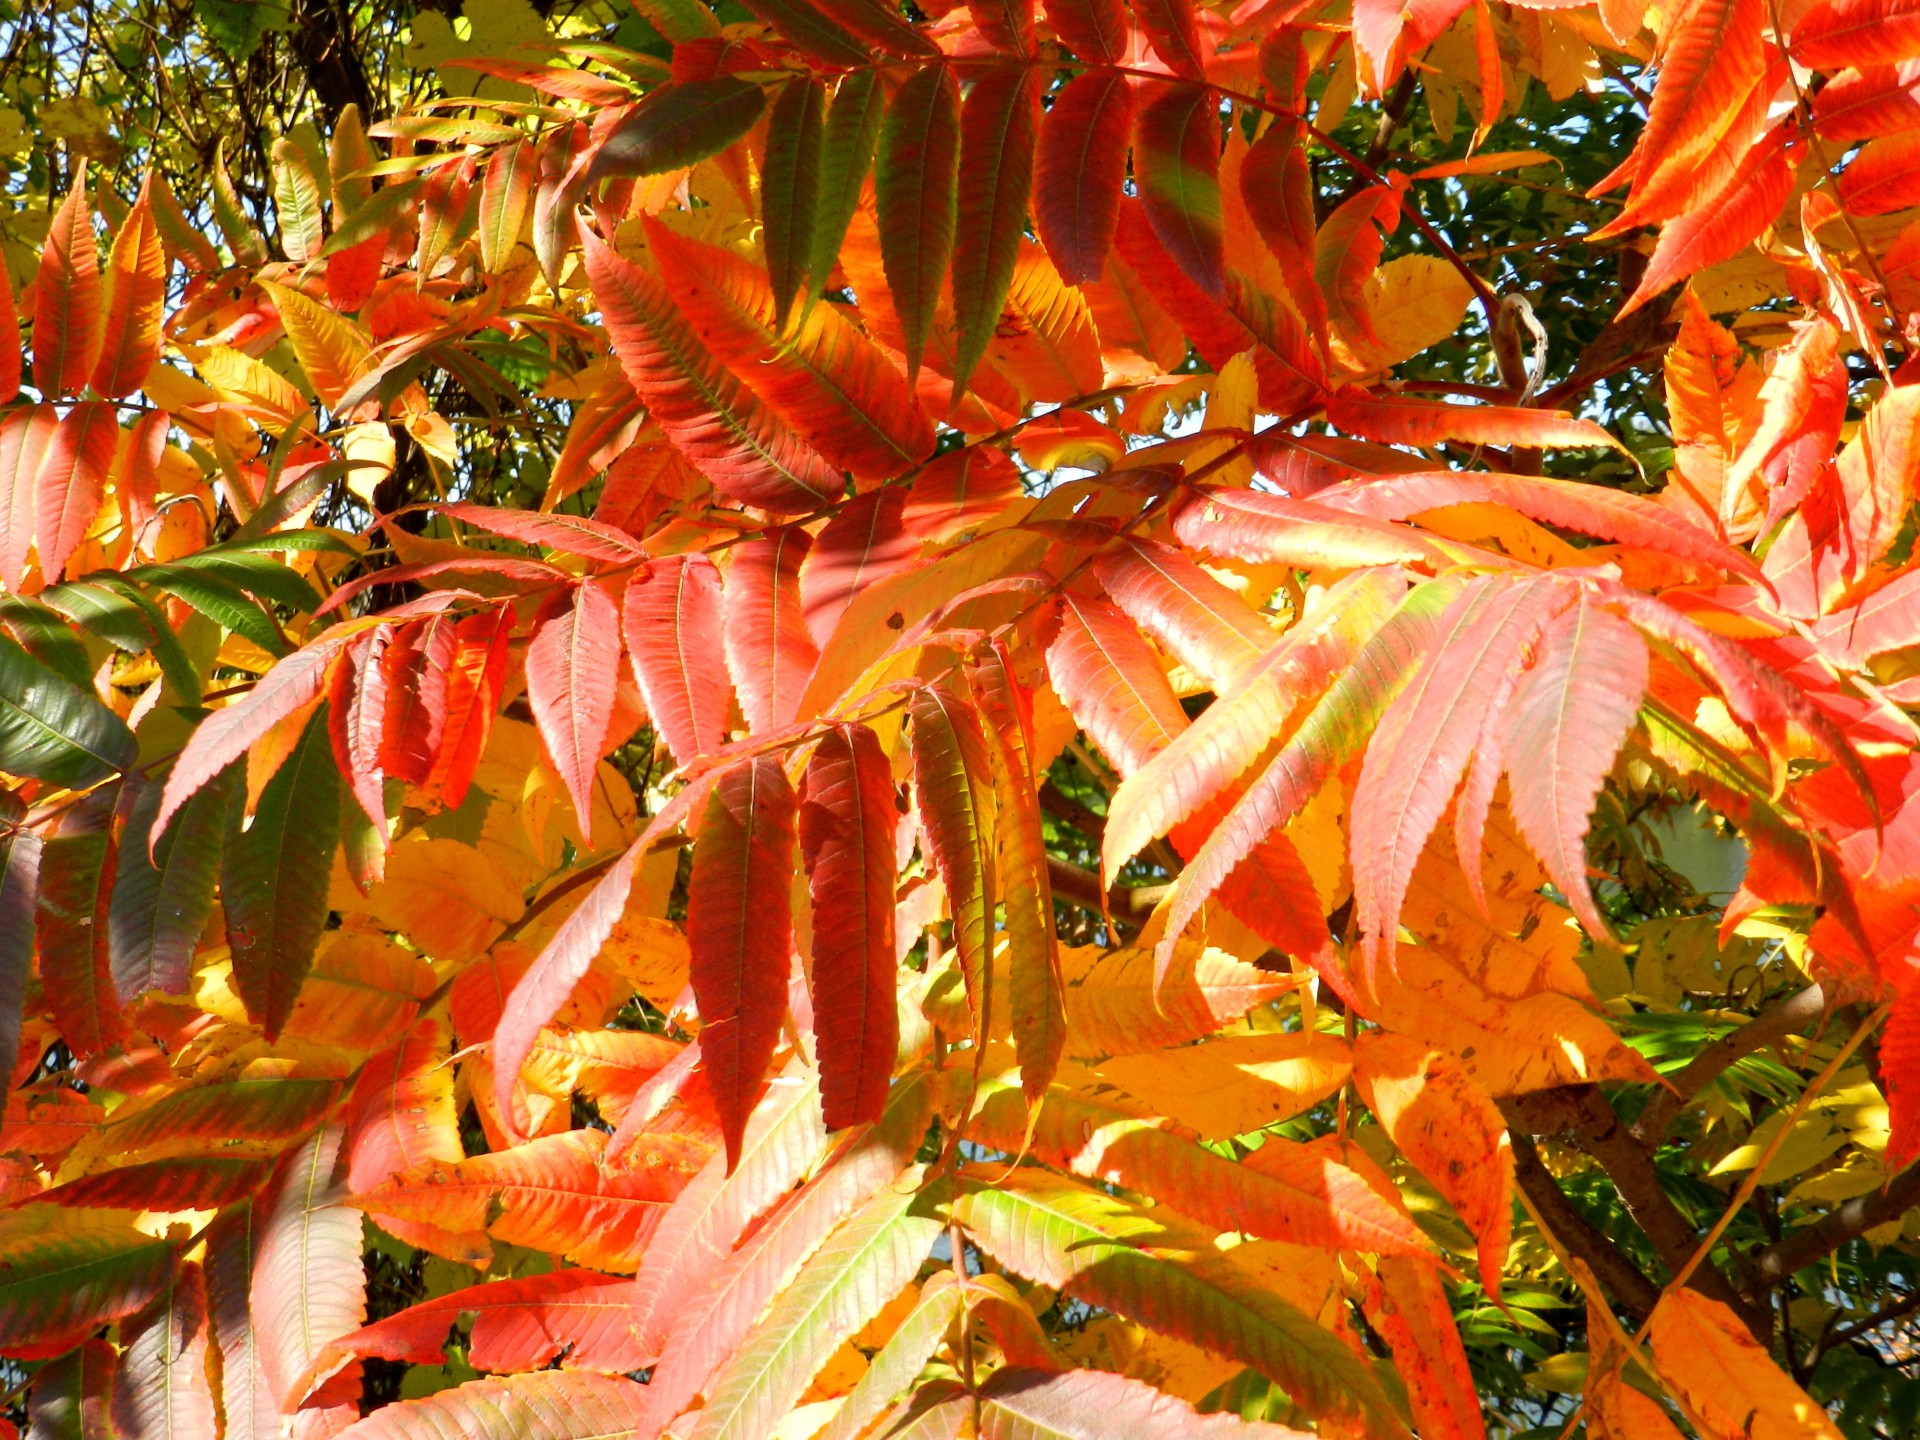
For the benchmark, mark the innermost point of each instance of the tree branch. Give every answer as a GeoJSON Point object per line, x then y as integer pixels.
{"type": "Point", "coordinates": [1775, 1022]}
{"type": "Point", "coordinates": [1584, 1112]}
{"type": "Point", "coordinates": [1636, 1294]}
{"type": "Point", "coordinates": [1850, 1221]}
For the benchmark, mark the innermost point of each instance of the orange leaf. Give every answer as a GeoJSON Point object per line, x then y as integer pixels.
{"type": "Point", "coordinates": [66, 309]}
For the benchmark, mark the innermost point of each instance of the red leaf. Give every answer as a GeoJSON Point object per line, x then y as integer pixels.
{"type": "Point", "coordinates": [10, 334]}
{"type": "Point", "coordinates": [538, 995]}
{"type": "Point", "coordinates": [823, 376]}
{"type": "Point", "coordinates": [1395, 421]}
{"type": "Point", "coordinates": [1083, 166]}
{"type": "Point", "coordinates": [1710, 56]}
{"type": "Point", "coordinates": [998, 126]}
{"type": "Point", "coordinates": [578, 1317]}
{"type": "Point", "coordinates": [569, 534]}
{"type": "Point", "coordinates": [863, 544]}
{"type": "Point", "coordinates": [674, 626]}
{"type": "Point", "coordinates": [308, 1287]}
{"type": "Point", "coordinates": [768, 648]}
{"type": "Point", "coordinates": [1592, 509]}
{"type": "Point", "coordinates": [356, 718]}
{"type": "Point", "coordinates": [1173, 30]}
{"type": "Point", "coordinates": [950, 770]}
{"type": "Point", "coordinates": [415, 668]}
{"type": "Point", "coordinates": [1035, 999]}
{"type": "Point", "coordinates": [1207, 627]}
{"type": "Point", "coordinates": [1094, 30]}
{"type": "Point", "coordinates": [1420, 750]}
{"type": "Point", "coordinates": [76, 884]}
{"type": "Point", "coordinates": [573, 667]}
{"type": "Point", "coordinates": [160, 1391]}
{"type": "Point", "coordinates": [1565, 725]}
{"type": "Point", "coordinates": [1007, 25]}
{"type": "Point", "coordinates": [476, 674]}
{"type": "Point", "coordinates": [1835, 33]}
{"type": "Point", "coordinates": [1272, 529]}
{"type": "Point", "coordinates": [1276, 184]}
{"type": "Point", "coordinates": [847, 824]}
{"type": "Point", "coordinates": [72, 482]}
{"type": "Point", "coordinates": [1726, 223]}
{"type": "Point", "coordinates": [1176, 158]}
{"type": "Point", "coordinates": [25, 437]}
{"type": "Point", "coordinates": [1112, 682]}
{"type": "Point", "coordinates": [136, 286]}
{"type": "Point", "coordinates": [1883, 177]}
{"type": "Point", "coordinates": [66, 310]}
{"type": "Point", "coordinates": [1900, 1077]}
{"type": "Point", "coordinates": [916, 181]}
{"type": "Point", "coordinates": [1405, 1302]}
{"type": "Point", "coordinates": [957, 490]}
{"type": "Point", "coordinates": [700, 405]}
{"type": "Point", "coordinates": [740, 928]}
{"type": "Point", "coordinates": [401, 1116]}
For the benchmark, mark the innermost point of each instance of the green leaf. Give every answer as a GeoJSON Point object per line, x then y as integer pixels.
{"type": "Point", "coordinates": [161, 901]}
{"type": "Point", "coordinates": [378, 215]}
{"type": "Point", "coordinates": [899, 1362]}
{"type": "Point", "coordinates": [916, 190]}
{"type": "Point", "coordinates": [679, 20]}
{"type": "Point", "coordinates": [221, 601]}
{"type": "Point", "coordinates": [19, 885]}
{"type": "Point", "coordinates": [846, 154]}
{"type": "Point", "coordinates": [71, 1395]}
{"type": "Point", "coordinates": [273, 878]}
{"type": "Point", "coordinates": [238, 26]}
{"type": "Point", "coordinates": [679, 125]}
{"type": "Point", "coordinates": [53, 731]}
{"type": "Point", "coordinates": [790, 188]}
{"type": "Point", "coordinates": [862, 1266]}
{"type": "Point", "coordinates": [998, 128]}
{"type": "Point", "coordinates": [1164, 1272]}
{"type": "Point", "coordinates": [63, 1272]}
{"type": "Point", "coordinates": [45, 635]}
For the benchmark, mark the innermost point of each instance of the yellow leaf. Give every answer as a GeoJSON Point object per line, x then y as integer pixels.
{"type": "Point", "coordinates": [652, 955]}
{"type": "Point", "coordinates": [1451, 1132]}
{"type": "Point", "coordinates": [1727, 1382]}
{"type": "Point", "coordinates": [447, 898]}
{"type": "Point", "coordinates": [362, 992]}
{"type": "Point", "coordinates": [1414, 302]}
{"type": "Point", "coordinates": [1235, 1084]}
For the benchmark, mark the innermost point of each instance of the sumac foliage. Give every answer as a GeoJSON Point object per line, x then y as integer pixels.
{"type": "Point", "coordinates": [842, 719]}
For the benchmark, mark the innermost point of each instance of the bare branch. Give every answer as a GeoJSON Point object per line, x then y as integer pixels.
{"type": "Point", "coordinates": [1850, 1221]}
{"type": "Point", "coordinates": [1776, 1022]}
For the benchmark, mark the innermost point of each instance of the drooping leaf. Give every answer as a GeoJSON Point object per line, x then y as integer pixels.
{"type": "Point", "coordinates": [898, 1363]}
{"type": "Point", "coordinates": [163, 893]}
{"type": "Point", "coordinates": [72, 1394]}
{"type": "Point", "coordinates": [25, 434]}
{"type": "Point", "coordinates": [701, 406]}
{"type": "Point", "coordinates": [790, 189]}
{"type": "Point", "coordinates": [1405, 1303]}
{"type": "Point", "coordinates": [822, 375]}
{"type": "Point", "coordinates": [20, 850]}
{"type": "Point", "coordinates": [1082, 164]}
{"type": "Point", "coordinates": [847, 824]}
{"type": "Point", "coordinates": [678, 125]}
{"type": "Point", "coordinates": [401, 1116]}
{"type": "Point", "coordinates": [852, 131]}
{"type": "Point", "coordinates": [957, 807]}
{"type": "Point", "coordinates": [76, 886]}
{"type": "Point", "coordinates": [769, 652]}
{"type": "Point", "coordinates": [916, 188]}
{"type": "Point", "coordinates": [273, 873]}
{"type": "Point", "coordinates": [999, 124]}
{"type": "Point", "coordinates": [862, 545]}
{"type": "Point", "coordinates": [160, 1391]}
{"type": "Point", "coordinates": [52, 731]}
{"type": "Point", "coordinates": [674, 622]}
{"type": "Point", "coordinates": [573, 665]}
{"type": "Point", "coordinates": [1176, 149]}
{"type": "Point", "coordinates": [739, 925]}
{"type": "Point", "coordinates": [68, 1271]}
{"type": "Point", "coordinates": [136, 289]}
